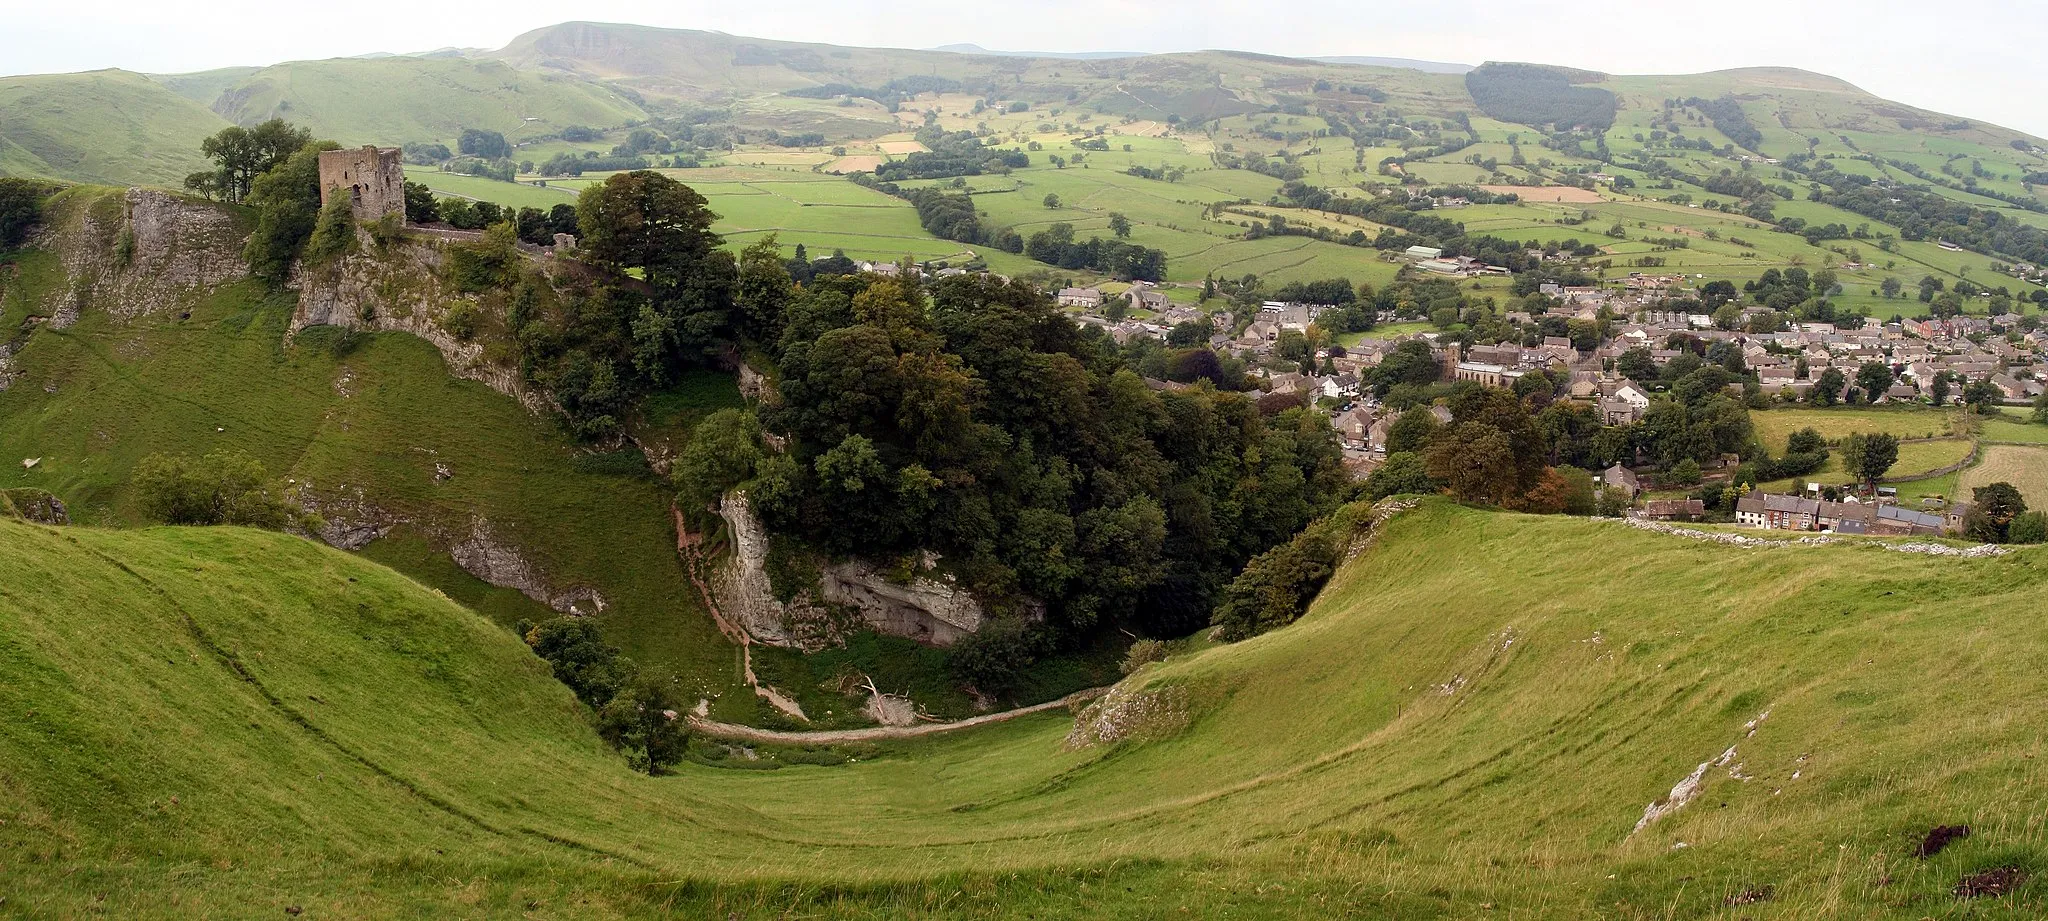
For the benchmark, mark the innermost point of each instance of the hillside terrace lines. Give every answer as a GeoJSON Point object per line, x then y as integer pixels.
{"type": "Point", "coordinates": [232, 662]}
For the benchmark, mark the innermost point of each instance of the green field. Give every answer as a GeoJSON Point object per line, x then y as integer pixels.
{"type": "Point", "coordinates": [2023, 466]}
{"type": "Point", "coordinates": [1386, 331]}
{"type": "Point", "coordinates": [1194, 112]}
{"type": "Point", "coordinates": [215, 722]}
{"type": "Point", "coordinates": [1915, 459]}
{"type": "Point", "coordinates": [477, 188]}
{"type": "Point", "coordinates": [1834, 423]}
{"type": "Point", "coordinates": [402, 99]}
{"type": "Point", "coordinates": [2005, 429]}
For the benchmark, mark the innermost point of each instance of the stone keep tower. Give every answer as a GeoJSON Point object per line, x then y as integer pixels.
{"type": "Point", "coordinates": [370, 176]}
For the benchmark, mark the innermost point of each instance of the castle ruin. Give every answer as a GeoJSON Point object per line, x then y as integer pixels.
{"type": "Point", "coordinates": [371, 176]}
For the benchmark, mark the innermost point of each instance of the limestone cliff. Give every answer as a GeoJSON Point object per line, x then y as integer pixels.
{"type": "Point", "coordinates": [147, 253]}
{"type": "Point", "coordinates": [746, 595]}
{"type": "Point", "coordinates": [926, 606]}
{"type": "Point", "coordinates": [483, 555]}
{"type": "Point", "coordinates": [398, 286]}
{"type": "Point", "coordinates": [144, 252]}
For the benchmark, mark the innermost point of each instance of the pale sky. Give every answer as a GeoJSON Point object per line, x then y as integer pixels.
{"type": "Point", "coordinates": [1981, 59]}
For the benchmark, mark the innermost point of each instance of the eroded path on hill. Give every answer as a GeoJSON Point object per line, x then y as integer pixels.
{"type": "Point", "coordinates": [833, 736]}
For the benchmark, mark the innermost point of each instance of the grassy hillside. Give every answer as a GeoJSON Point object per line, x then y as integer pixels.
{"type": "Point", "coordinates": [370, 420]}
{"type": "Point", "coordinates": [1469, 722]}
{"type": "Point", "coordinates": [1196, 112]}
{"type": "Point", "coordinates": [104, 126]}
{"type": "Point", "coordinates": [399, 100]}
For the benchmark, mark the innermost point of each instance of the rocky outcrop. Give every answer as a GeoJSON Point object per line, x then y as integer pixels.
{"type": "Point", "coordinates": [33, 505]}
{"type": "Point", "coordinates": [348, 520]}
{"type": "Point", "coordinates": [747, 596]}
{"type": "Point", "coordinates": [753, 384]}
{"type": "Point", "coordinates": [1128, 714]}
{"type": "Point", "coordinates": [486, 557]}
{"type": "Point", "coordinates": [397, 286]}
{"type": "Point", "coordinates": [1928, 548]}
{"type": "Point", "coordinates": [145, 252]}
{"type": "Point", "coordinates": [7, 371]}
{"type": "Point", "coordinates": [927, 606]}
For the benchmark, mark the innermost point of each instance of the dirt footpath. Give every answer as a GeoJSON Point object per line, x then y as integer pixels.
{"type": "Point", "coordinates": [831, 736]}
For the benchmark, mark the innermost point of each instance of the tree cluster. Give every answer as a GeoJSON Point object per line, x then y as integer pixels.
{"type": "Point", "coordinates": [1729, 119]}
{"type": "Point", "coordinates": [1056, 245]}
{"type": "Point", "coordinates": [636, 713]}
{"type": "Point", "coordinates": [1532, 94]}
{"type": "Point", "coordinates": [949, 154]}
{"type": "Point", "coordinates": [978, 421]}
{"type": "Point", "coordinates": [225, 487]}
{"type": "Point", "coordinates": [241, 154]}
{"type": "Point", "coordinates": [21, 206]}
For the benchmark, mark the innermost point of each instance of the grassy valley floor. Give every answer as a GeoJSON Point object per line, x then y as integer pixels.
{"type": "Point", "coordinates": [1470, 722]}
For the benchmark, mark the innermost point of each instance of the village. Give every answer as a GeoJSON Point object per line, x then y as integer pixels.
{"type": "Point", "coordinates": [1788, 366]}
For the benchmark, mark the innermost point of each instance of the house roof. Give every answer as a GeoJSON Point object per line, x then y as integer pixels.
{"type": "Point", "coordinates": [1909, 517]}
{"type": "Point", "coordinates": [1774, 502]}
{"type": "Point", "coordinates": [1846, 511]}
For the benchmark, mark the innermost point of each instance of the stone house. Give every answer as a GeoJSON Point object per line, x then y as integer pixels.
{"type": "Point", "coordinates": [1781, 513]}
{"type": "Point", "coordinates": [1675, 509]}
{"type": "Point", "coordinates": [1080, 297]}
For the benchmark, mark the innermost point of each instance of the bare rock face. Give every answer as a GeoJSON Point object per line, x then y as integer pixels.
{"type": "Point", "coordinates": [33, 505]}
{"type": "Point", "coordinates": [397, 287]}
{"type": "Point", "coordinates": [1130, 715]}
{"type": "Point", "coordinates": [348, 520]}
{"type": "Point", "coordinates": [926, 607]}
{"type": "Point", "coordinates": [486, 557]}
{"type": "Point", "coordinates": [148, 252]}
{"type": "Point", "coordinates": [753, 384]}
{"type": "Point", "coordinates": [746, 595]}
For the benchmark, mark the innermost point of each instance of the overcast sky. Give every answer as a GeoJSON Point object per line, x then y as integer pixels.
{"type": "Point", "coordinates": [1983, 59]}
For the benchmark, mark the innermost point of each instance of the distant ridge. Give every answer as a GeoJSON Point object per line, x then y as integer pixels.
{"type": "Point", "coordinates": [1428, 67]}
{"type": "Point", "coordinates": [971, 48]}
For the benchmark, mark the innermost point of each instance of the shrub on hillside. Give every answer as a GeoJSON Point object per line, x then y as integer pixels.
{"type": "Point", "coordinates": [2028, 528]}
{"type": "Point", "coordinates": [1143, 653]}
{"type": "Point", "coordinates": [287, 200]}
{"type": "Point", "coordinates": [580, 658]}
{"type": "Point", "coordinates": [1276, 587]}
{"type": "Point", "coordinates": [1993, 511]}
{"type": "Point", "coordinates": [223, 488]}
{"type": "Point", "coordinates": [636, 713]}
{"type": "Point", "coordinates": [993, 658]}
{"type": "Point", "coordinates": [21, 205]}
{"type": "Point", "coordinates": [722, 454]}
{"type": "Point", "coordinates": [334, 233]}
{"type": "Point", "coordinates": [1402, 473]}
{"type": "Point", "coordinates": [644, 722]}
{"type": "Point", "coordinates": [1806, 441]}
